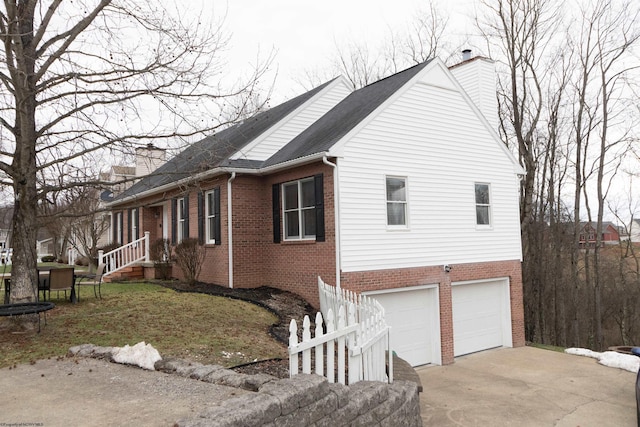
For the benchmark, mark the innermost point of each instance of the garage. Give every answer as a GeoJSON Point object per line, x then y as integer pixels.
{"type": "Point", "coordinates": [413, 314]}
{"type": "Point", "coordinates": [481, 315]}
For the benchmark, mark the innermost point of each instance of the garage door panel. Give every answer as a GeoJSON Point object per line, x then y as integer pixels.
{"type": "Point", "coordinates": [479, 316]}
{"type": "Point", "coordinates": [411, 315]}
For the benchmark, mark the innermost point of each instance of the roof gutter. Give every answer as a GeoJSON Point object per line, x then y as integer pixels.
{"type": "Point", "coordinates": [336, 215]}
{"type": "Point", "coordinates": [222, 170]}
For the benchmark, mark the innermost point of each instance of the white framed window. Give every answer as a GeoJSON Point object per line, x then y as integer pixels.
{"type": "Point", "coordinates": [210, 217]}
{"type": "Point", "coordinates": [180, 219]}
{"type": "Point", "coordinates": [299, 207]}
{"type": "Point", "coordinates": [396, 188]}
{"type": "Point", "coordinates": [483, 204]}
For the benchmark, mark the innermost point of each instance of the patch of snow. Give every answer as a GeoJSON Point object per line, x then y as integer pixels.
{"type": "Point", "coordinates": [141, 354]}
{"type": "Point", "coordinates": [229, 355]}
{"type": "Point", "coordinates": [612, 359]}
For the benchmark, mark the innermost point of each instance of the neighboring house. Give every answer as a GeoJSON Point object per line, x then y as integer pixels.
{"type": "Point", "coordinates": [610, 234]}
{"type": "Point", "coordinates": [401, 190]}
{"type": "Point", "coordinates": [148, 159]}
{"type": "Point", "coordinates": [4, 238]}
{"type": "Point", "coordinates": [634, 231]}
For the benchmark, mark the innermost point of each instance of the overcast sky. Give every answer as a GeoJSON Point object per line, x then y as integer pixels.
{"type": "Point", "coordinates": [303, 34]}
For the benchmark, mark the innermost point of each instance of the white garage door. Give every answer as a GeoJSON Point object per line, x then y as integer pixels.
{"type": "Point", "coordinates": [413, 314]}
{"type": "Point", "coordinates": [481, 316]}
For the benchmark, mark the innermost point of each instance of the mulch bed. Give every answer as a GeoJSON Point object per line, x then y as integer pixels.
{"type": "Point", "coordinates": [285, 305]}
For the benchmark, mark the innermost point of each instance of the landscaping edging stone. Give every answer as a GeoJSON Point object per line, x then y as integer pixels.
{"type": "Point", "coordinates": [303, 400]}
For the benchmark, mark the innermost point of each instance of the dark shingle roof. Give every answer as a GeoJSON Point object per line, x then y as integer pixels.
{"type": "Point", "coordinates": [215, 150]}
{"type": "Point", "coordinates": [338, 121]}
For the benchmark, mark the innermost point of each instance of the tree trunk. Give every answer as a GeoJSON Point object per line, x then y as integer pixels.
{"type": "Point", "coordinates": [24, 274]}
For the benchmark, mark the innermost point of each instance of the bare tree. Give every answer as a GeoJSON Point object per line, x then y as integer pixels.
{"type": "Point", "coordinates": [91, 78]}
{"type": "Point", "coordinates": [518, 34]}
{"type": "Point", "coordinates": [361, 63]}
{"type": "Point", "coordinates": [89, 223]}
{"type": "Point", "coordinates": [611, 28]}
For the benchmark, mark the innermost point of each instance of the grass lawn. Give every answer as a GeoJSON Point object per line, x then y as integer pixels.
{"type": "Point", "coordinates": [197, 327]}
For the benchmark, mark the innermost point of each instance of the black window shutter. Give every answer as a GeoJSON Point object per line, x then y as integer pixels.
{"type": "Point", "coordinates": [138, 223]}
{"type": "Point", "coordinates": [275, 196]}
{"type": "Point", "coordinates": [114, 224]}
{"type": "Point", "coordinates": [186, 216]}
{"type": "Point", "coordinates": [319, 184]}
{"type": "Point", "coordinates": [201, 227]}
{"type": "Point", "coordinates": [129, 212]}
{"type": "Point", "coordinates": [216, 210]}
{"type": "Point", "coordinates": [174, 221]}
{"type": "Point", "coordinates": [121, 230]}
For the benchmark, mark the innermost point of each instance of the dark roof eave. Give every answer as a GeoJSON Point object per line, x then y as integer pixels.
{"type": "Point", "coordinates": [220, 171]}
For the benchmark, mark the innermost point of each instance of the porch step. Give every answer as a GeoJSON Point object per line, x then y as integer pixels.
{"type": "Point", "coordinates": [133, 272]}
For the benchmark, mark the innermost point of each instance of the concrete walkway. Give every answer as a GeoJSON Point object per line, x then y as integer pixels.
{"type": "Point", "coordinates": [526, 387]}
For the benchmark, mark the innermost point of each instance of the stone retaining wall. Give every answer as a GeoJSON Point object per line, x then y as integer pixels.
{"type": "Point", "coordinates": [309, 400]}
{"type": "Point", "coordinates": [304, 400]}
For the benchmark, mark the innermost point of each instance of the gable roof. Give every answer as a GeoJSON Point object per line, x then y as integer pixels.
{"type": "Point", "coordinates": [337, 122]}
{"type": "Point", "coordinates": [215, 150]}
{"type": "Point", "coordinates": [605, 225]}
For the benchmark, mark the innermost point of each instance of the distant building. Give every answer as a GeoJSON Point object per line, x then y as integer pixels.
{"type": "Point", "coordinates": [634, 231]}
{"type": "Point", "coordinates": [610, 234]}
{"type": "Point", "coordinates": [148, 159]}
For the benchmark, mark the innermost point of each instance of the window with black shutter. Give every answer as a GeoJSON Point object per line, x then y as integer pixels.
{"type": "Point", "coordinates": [302, 209]}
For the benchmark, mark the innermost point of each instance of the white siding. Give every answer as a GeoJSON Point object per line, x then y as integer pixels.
{"type": "Point", "coordinates": [273, 140]}
{"type": "Point", "coordinates": [634, 231]}
{"type": "Point", "coordinates": [431, 136]}
{"type": "Point", "coordinates": [478, 79]}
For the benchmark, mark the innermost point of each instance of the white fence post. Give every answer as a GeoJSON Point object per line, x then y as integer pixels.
{"type": "Point", "coordinates": [331, 355]}
{"type": "Point", "coordinates": [319, 350]}
{"type": "Point", "coordinates": [306, 337]}
{"type": "Point", "coordinates": [293, 342]}
{"type": "Point", "coordinates": [341, 344]}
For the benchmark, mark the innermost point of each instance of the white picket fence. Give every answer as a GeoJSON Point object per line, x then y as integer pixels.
{"type": "Point", "coordinates": [356, 340]}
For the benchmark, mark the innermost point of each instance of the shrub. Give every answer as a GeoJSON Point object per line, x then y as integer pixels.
{"type": "Point", "coordinates": [82, 261]}
{"type": "Point", "coordinates": [190, 257]}
{"type": "Point", "coordinates": [48, 258]}
{"type": "Point", "coordinates": [161, 257]}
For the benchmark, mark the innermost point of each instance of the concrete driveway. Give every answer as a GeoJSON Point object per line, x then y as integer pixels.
{"type": "Point", "coordinates": [526, 387]}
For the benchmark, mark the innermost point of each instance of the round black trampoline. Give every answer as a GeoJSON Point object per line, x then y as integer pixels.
{"type": "Point", "coordinates": [22, 308]}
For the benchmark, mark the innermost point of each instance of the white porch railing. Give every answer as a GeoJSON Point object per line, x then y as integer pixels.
{"type": "Point", "coordinates": [125, 255]}
{"type": "Point", "coordinates": [356, 340]}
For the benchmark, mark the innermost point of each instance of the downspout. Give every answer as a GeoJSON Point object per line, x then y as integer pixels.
{"type": "Point", "coordinates": [230, 227]}
{"type": "Point", "coordinates": [336, 215]}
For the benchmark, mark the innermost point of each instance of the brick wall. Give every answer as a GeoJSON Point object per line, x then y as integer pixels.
{"type": "Point", "coordinates": [258, 261]}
